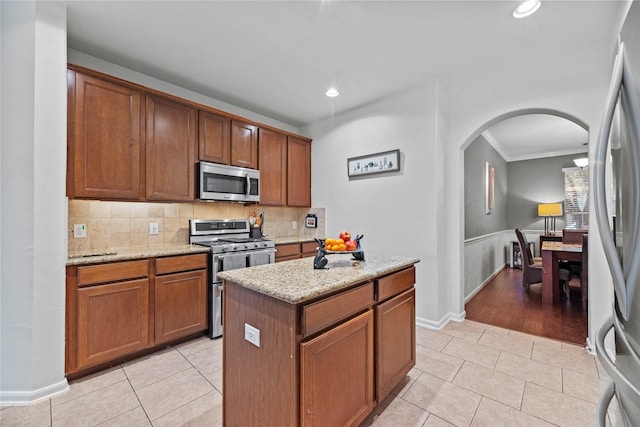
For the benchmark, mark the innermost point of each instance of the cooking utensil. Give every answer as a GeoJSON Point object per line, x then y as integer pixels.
{"type": "Point", "coordinates": [261, 223]}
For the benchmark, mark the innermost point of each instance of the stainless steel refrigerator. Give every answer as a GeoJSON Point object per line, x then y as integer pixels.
{"type": "Point", "coordinates": [617, 205]}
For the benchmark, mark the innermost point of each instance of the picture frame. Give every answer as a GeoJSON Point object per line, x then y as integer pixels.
{"type": "Point", "coordinates": [386, 161]}
{"type": "Point", "coordinates": [489, 188]}
{"type": "Point", "coordinates": [311, 221]}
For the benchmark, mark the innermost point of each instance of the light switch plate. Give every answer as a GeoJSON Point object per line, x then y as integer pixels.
{"type": "Point", "coordinates": [252, 334]}
{"type": "Point", "coordinates": [79, 231]}
{"type": "Point", "coordinates": [294, 224]}
{"type": "Point", "coordinates": [153, 228]}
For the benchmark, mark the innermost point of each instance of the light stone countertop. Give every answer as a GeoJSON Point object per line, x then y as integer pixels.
{"type": "Point", "coordinates": [290, 239]}
{"type": "Point", "coordinates": [296, 281]}
{"type": "Point", "coordinates": [107, 255]}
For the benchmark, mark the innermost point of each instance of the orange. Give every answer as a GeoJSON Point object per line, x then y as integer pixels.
{"type": "Point", "coordinates": [335, 248]}
{"type": "Point", "coordinates": [342, 247]}
{"type": "Point", "coordinates": [340, 241]}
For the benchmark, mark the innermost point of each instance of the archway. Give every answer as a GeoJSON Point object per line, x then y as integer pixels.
{"type": "Point", "coordinates": [486, 234]}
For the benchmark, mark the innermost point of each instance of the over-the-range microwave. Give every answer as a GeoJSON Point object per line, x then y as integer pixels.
{"type": "Point", "coordinates": [231, 183]}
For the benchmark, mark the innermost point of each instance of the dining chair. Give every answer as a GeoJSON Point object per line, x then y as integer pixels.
{"type": "Point", "coordinates": [573, 236]}
{"type": "Point", "coordinates": [584, 272]}
{"type": "Point", "coordinates": [532, 273]}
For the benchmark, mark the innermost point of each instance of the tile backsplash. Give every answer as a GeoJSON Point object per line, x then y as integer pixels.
{"type": "Point", "coordinates": [125, 225]}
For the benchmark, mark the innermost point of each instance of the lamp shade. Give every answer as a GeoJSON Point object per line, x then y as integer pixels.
{"type": "Point", "coordinates": [550, 209]}
{"type": "Point", "coordinates": [582, 162]}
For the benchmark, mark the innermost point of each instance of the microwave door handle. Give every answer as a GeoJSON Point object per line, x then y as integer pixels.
{"type": "Point", "coordinates": [246, 176]}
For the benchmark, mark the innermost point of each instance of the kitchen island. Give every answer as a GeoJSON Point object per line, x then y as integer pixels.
{"type": "Point", "coordinates": [316, 347]}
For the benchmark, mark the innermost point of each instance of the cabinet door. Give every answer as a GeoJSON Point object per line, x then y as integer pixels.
{"type": "Point", "coordinates": [113, 321]}
{"type": "Point", "coordinates": [180, 305]}
{"type": "Point", "coordinates": [298, 172]}
{"type": "Point", "coordinates": [287, 251]}
{"type": "Point", "coordinates": [336, 374]}
{"type": "Point", "coordinates": [244, 145]}
{"type": "Point", "coordinates": [104, 139]}
{"type": "Point", "coordinates": [170, 144]}
{"type": "Point", "coordinates": [273, 167]}
{"type": "Point", "coordinates": [395, 341]}
{"type": "Point", "coordinates": [214, 138]}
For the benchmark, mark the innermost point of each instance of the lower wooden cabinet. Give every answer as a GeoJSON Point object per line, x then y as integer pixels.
{"type": "Point", "coordinates": [180, 305]}
{"type": "Point", "coordinates": [121, 308]}
{"type": "Point", "coordinates": [331, 359]}
{"type": "Point", "coordinates": [336, 374]}
{"type": "Point", "coordinates": [395, 341]}
{"type": "Point", "coordinates": [113, 321]}
{"type": "Point", "coordinates": [289, 251]}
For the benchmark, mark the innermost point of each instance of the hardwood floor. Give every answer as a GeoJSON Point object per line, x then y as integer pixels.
{"type": "Point", "coordinates": [504, 302]}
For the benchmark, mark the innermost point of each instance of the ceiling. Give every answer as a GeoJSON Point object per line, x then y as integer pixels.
{"type": "Point", "coordinates": [277, 58]}
{"type": "Point", "coordinates": [534, 136]}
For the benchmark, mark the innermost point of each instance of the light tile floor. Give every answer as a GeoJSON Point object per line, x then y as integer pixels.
{"type": "Point", "coordinates": [467, 374]}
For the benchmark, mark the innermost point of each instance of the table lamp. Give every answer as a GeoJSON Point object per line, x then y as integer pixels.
{"type": "Point", "coordinates": [549, 211]}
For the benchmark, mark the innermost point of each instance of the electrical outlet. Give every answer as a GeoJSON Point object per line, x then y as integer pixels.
{"type": "Point", "coordinates": [252, 334]}
{"type": "Point", "coordinates": [153, 228]}
{"type": "Point", "coordinates": [79, 231]}
{"type": "Point", "coordinates": [294, 224]}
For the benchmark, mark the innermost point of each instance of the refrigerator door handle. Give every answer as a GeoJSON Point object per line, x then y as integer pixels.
{"type": "Point", "coordinates": [600, 201]}
{"type": "Point", "coordinates": [620, 380]}
{"type": "Point", "coordinates": [603, 405]}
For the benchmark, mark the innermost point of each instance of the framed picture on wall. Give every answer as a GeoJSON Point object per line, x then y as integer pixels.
{"type": "Point", "coordinates": [489, 193]}
{"type": "Point", "coordinates": [388, 161]}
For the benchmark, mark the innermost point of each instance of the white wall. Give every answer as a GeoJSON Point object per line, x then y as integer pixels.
{"type": "Point", "coordinates": [396, 212]}
{"type": "Point", "coordinates": [484, 257]}
{"type": "Point", "coordinates": [432, 126]}
{"type": "Point", "coordinates": [32, 214]}
{"type": "Point", "coordinates": [483, 96]}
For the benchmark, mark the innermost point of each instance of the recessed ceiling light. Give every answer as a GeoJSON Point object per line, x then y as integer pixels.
{"type": "Point", "coordinates": [526, 8]}
{"type": "Point", "coordinates": [332, 92]}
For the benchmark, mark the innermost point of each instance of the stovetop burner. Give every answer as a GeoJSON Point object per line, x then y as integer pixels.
{"type": "Point", "coordinates": [226, 235]}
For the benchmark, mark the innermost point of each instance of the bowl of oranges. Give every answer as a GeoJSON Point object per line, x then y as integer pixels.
{"type": "Point", "coordinates": [343, 244]}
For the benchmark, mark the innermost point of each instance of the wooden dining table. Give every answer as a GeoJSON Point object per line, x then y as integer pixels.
{"type": "Point", "coordinates": [552, 254]}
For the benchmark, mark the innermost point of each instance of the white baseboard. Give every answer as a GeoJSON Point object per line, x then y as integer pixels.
{"type": "Point", "coordinates": [23, 398]}
{"type": "Point", "coordinates": [484, 283]}
{"type": "Point", "coordinates": [429, 324]}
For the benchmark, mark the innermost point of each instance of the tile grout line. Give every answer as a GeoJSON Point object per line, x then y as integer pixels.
{"type": "Point", "coordinates": [136, 394]}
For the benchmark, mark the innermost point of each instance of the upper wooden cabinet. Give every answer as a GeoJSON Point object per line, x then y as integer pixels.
{"type": "Point", "coordinates": [298, 172]}
{"type": "Point", "coordinates": [104, 141]}
{"type": "Point", "coordinates": [128, 142]}
{"type": "Point", "coordinates": [244, 144]}
{"type": "Point", "coordinates": [214, 138]}
{"type": "Point", "coordinates": [170, 146]}
{"type": "Point", "coordinates": [273, 167]}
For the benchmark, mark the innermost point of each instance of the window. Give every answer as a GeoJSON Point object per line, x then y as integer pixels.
{"type": "Point", "coordinates": [576, 198]}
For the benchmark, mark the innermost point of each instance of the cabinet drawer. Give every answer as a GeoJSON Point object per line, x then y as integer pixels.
{"type": "Point", "coordinates": [324, 313]}
{"type": "Point", "coordinates": [103, 273]}
{"type": "Point", "coordinates": [179, 263]}
{"type": "Point", "coordinates": [395, 283]}
{"type": "Point", "coordinates": [288, 250]}
{"type": "Point", "coordinates": [309, 248]}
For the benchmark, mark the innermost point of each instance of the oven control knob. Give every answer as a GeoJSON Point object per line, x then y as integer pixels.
{"type": "Point", "coordinates": [225, 249]}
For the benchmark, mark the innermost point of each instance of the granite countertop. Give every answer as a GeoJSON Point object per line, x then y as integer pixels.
{"type": "Point", "coordinates": [291, 239]}
{"type": "Point", "coordinates": [99, 256]}
{"type": "Point", "coordinates": [296, 281]}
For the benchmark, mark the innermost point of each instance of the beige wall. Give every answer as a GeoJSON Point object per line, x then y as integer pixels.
{"type": "Point", "coordinates": [125, 225]}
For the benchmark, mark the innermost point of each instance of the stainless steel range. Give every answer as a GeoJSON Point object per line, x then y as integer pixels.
{"type": "Point", "coordinates": [231, 248]}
